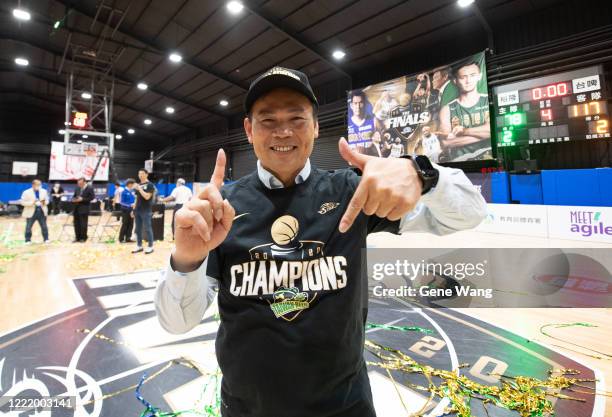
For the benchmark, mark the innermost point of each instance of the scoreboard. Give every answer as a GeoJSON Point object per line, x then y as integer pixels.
{"type": "Point", "coordinates": [556, 108]}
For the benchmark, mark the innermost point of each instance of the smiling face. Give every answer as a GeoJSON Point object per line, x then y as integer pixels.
{"type": "Point", "coordinates": [282, 130]}
{"type": "Point", "coordinates": [143, 175]}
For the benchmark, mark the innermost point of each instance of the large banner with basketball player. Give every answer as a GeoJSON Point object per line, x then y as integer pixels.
{"type": "Point", "coordinates": [69, 167]}
{"type": "Point", "coordinates": [442, 113]}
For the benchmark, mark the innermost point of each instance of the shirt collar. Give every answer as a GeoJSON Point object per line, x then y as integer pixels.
{"type": "Point", "coordinates": [271, 182]}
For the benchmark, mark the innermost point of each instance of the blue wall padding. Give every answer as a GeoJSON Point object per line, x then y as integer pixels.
{"type": "Point", "coordinates": [500, 188]}
{"type": "Point", "coordinates": [526, 189]}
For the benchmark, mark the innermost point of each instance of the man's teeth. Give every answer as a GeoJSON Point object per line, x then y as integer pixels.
{"type": "Point", "coordinates": [282, 148]}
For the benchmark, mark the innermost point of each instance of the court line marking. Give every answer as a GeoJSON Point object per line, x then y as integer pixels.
{"type": "Point", "coordinates": [38, 329]}
{"type": "Point", "coordinates": [80, 303]}
{"type": "Point", "coordinates": [444, 402]}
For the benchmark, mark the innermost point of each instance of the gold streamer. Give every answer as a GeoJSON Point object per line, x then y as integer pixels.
{"type": "Point", "coordinates": [525, 395]}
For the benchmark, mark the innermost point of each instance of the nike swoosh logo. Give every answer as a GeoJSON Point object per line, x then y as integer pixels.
{"type": "Point", "coordinates": [240, 215]}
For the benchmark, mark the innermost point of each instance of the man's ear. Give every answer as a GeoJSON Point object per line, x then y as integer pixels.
{"type": "Point", "coordinates": [316, 128]}
{"type": "Point", "coordinates": [248, 128]}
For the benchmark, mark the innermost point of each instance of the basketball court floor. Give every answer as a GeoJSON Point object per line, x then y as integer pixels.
{"type": "Point", "coordinates": [78, 319]}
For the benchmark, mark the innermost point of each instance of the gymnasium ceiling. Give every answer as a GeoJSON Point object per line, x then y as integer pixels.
{"type": "Point", "coordinates": [222, 52]}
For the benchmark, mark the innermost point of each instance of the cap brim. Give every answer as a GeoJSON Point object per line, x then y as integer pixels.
{"type": "Point", "coordinates": [272, 82]}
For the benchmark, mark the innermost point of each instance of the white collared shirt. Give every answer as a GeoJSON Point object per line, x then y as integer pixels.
{"type": "Point", "coordinates": [270, 181]}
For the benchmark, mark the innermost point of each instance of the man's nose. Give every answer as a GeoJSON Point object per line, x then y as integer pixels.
{"type": "Point", "coordinates": [283, 130]}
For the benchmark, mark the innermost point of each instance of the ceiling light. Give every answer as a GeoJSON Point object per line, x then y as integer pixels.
{"type": "Point", "coordinates": [85, 95]}
{"type": "Point", "coordinates": [118, 137]}
{"type": "Point", "coordinates": [234, 6]}
{"type": "Point", "coordinates": [22, 62]}
{"type": "Point", "coordinates": [224, 103]}
{"type": "Point", "coordinates": [174, 57]}
{"type": "Point", "coordinates": [131, 131]}
{"type": "Point", "coordinates": [79, 141]}
{"type": "Point", "coordinates": [169, 110]}
{"type": "Point", "coordinates": [21, 14]}
{"type": "Point", "coordinates": [147, 121]}
{"type": "Point", "coordinates": [84, 136]}
{"type": "Point", "coordinates": [464, 3]}
{"type": "Point", "coordinates": [142, 86]}
{"type": "Point", "coordinates": [61, 131]}
{"type": "Point", "coordinates": [338, 54]}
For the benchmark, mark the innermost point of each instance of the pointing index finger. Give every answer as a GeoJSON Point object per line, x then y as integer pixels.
{"type": "Point", "coordinates": [219, 172]}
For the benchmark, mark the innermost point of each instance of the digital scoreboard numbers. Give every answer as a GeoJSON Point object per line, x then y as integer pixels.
{"type": "Point", "coordinates": [556, 108]}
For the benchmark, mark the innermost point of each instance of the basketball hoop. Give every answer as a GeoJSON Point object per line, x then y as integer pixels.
{"type": "Point", "coordinates": [24, 171]}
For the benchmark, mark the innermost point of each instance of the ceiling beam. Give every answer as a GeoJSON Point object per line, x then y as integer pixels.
{"type": "Point", "coordinates": [279, 26]}
{"type": "Point", "coordinates": [39, 76]}
{"type": "Point", "coordinates": [81, 8]}
{"type": "Point", "coordinates": [118, 76]}
{"type": "Point", "coordinates": [51, 100]}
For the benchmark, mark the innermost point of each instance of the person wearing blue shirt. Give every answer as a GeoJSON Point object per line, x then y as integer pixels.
{"type": "Point", "coordinates": [126, 203]}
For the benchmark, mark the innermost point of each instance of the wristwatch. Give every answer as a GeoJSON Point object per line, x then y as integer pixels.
{"type": "Point", "coordinates": [425, 170]}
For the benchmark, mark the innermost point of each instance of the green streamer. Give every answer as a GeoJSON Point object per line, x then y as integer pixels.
{"type": "Point", "coordinates": [398, 328]}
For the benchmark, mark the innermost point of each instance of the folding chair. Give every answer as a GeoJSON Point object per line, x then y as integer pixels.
{"type": "Point", "coordinates": [93, 222]}
{"type": "Point", "coordinates": [68, 224]}
{"type": "Point", "coordinates": [110, 226]}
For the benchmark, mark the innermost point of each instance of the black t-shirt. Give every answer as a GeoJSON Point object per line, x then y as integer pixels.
{"type": "Point", "coordinates": [293, 300]}
{"type": "Point", "coordinates": [141, 203]}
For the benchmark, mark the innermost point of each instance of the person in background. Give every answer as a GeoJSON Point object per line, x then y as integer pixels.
{"type": "Point", "coordinates": [126, 204]}
{"type": "Point", "coordinates": [83, 195]}
{"type": "Point", "coordinates": [117, 196]}
{"type": "Point", "coordinates": [464, 122]}
{"type": "Point", "coordinates": [145, 191]}
{"type": "Point", "coordinates": [378, 148]}
{"type": "Point", "coordinates": [180, 195]}
{"type": "Point", "coordinates": [34, 201]}
{"type": "Point", "coordinates": [431, 144]}
{"type": "Point", "coordinates": [56, 197]}
{"type": "Point", "coordinates": [397, 149]}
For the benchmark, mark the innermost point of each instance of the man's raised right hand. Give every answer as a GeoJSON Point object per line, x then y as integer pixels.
{"type": "Point", "coordinates": [203, 223]}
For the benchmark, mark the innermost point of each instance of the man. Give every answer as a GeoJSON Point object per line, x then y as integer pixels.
{"type": "Point", "coordinates": [378, 148]}
{"type": "Point", "coordinates": [34, 201]}
{"type": "Point", "coordinates": [56, 197]}
{"type": "Point", "coordinates": [127, 216]}
{"type": "Point", "coordinates": [83, 195]}
{"type": "Point", "coordinates": [430, 143]}
{"type": "Point", "coordinates": [117, 196]}
{"type": "Point", "coordinates": [440, 94]}
{"type": "Point", "coordinates": [290, 342]}
{"type": "Point", "coordinates": [464, 122]}
{"type": "Point", "coordinates": [397, 149]}
{"type": "Point", "coordinates": [361, 122]}
{"type": "Point", "coordinates": [145, 192]}
{"type": "Point", "coordinates": [180, 195]}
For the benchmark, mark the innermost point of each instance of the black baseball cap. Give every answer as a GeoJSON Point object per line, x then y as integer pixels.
{"type": "Point", "coordinates": [279, 77]}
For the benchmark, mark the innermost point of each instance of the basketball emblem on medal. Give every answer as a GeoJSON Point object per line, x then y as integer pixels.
{"type": "Point", "coordinates": [284, 232]}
